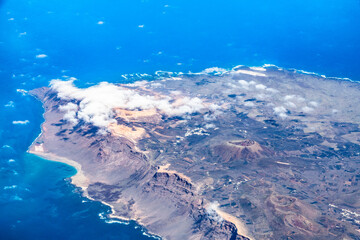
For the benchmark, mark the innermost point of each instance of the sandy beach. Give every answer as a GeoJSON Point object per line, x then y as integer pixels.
{"type": "Point", "coordinates": [241, 229]}
{"type": "Point", "coordinates": [79, 179]}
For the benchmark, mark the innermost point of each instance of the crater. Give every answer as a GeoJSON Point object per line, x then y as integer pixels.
{"type": "Point", "coordinates": [243, 143]}
{"type": "Point", "coordinates": [241, 150]}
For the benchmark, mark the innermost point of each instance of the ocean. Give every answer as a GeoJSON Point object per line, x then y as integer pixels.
{"type": "Point", "coordinates": [96, 41]}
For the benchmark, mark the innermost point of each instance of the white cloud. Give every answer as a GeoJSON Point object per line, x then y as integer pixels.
{"type": "Point", "coordinates": [244, 84]}
{"type": "Point", "coordinates": [25, 122]}
{"type": "Point", "coordinates": [290, 104]}
{"type": "Point", "coordinates": [22, 91]}
{"type": "Point", "coordinates": [271, 90]}
{"type": "Point", "coordinates": [214, 70]}
{"type": "Point", "coordinates": [96, 103]}
{"type": "Point", "coordinates": [155, 85]}
{"type": "Point", "coordinates": [280, 111]}
{"type": "Point", "coordinates": [70, 110]}
{"type": "Point", "coordinates": [300, 99]}
{"type": "Point", "coordinates": [137, 84]}
{"type": "Point", "coordinates": [294, 98]}
{"type": "Point", "coordinates": [249, 104]}
{"type": "Point", "coordinates": [211, 210]}
{"type": "Point", "coordinates": [209, 117]}
{"type": "Point", "coordinates": [307, 109]}
{"type": "Point", "coordinates": [41, 56]}
{"type": "Point", "coordinates": [283, 115]}
{"type": "Point", "coordinates": [252, 73]}
{"type": "Point", "coordinates": [289, 97]}
{"type": "Point", "coordinates": [10, 104]}
{"type": "Point", "coordinates": [176, 92]}
{"type": "Point", "coordinates": [313, 103]}
{"type": "Point", "coordinates": [209, 125]}
{"type": "Point", "coordinates": [261, 96]}
{"type": "Point", "coordinates": [258, 69]}
{"type": "Point", "coordinates": [260, 86]}
{"type": "Point", "coordinates": [232, 85]}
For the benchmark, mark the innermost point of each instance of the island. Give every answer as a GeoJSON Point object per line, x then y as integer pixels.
{"type": "Point", "coordinates": [246, 153]}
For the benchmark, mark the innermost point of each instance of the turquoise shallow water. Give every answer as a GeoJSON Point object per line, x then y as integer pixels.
{"type": "Point", "coordinates": [100, 41]}
{"type": "Point", "coordinates": [42, 205]}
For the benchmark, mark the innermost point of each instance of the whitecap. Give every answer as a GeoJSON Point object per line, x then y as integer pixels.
{"type": "Point", "coordinates": [149, 235]}
{"type": "Point", "coordinates": [22, 91]}
{"type": "Point", "coordinates": [111, 221]}
{"type": "Point", "coordinates": [102, 215]}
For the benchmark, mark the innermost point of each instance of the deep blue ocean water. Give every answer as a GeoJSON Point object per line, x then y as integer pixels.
{"type": "Point", "coordinates": [101, 40]}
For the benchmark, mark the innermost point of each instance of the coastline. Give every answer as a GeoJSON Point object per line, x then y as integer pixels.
{"type": "Point", "coordinates": [221, 71]}
{"type": "Point", "coordinates": [80, 180]}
